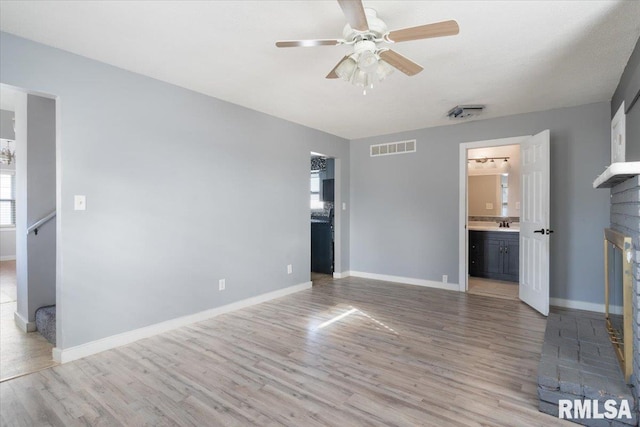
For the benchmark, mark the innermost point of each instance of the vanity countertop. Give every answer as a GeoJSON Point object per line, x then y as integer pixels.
{"type": "Point", "coordinates": [514, 227]}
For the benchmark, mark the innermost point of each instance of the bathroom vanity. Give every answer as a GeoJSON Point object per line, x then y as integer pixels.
{"type": "Point", "coordinates": [494, 252]}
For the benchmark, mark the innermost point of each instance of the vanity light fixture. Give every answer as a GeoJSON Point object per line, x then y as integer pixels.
{"type": "Point", "coordinates": [489, 163]}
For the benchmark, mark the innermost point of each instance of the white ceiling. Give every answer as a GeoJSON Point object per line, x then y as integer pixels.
{"type": "Point", "coordinates": [513, 56]}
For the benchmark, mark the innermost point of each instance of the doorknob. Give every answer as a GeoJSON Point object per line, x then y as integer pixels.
{"type": "Point", "coordinates": [541, 231]}
{"type": "Point", "coordinates": [549, 231]}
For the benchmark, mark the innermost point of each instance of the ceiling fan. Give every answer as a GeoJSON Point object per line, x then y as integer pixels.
{"type": "Point", "coordinates": [370, 63]}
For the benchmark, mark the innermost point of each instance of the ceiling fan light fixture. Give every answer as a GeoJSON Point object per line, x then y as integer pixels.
{"type": "Point", "coordinates": [360, 78]}
{"type": "Point", "coordinates": [346, 69]}
{"type": "Point", "coordinates": [383, 70]}
{"type": "Point", "coordinates": [365, 32]}
{"type": "Point", "coordinates": [368, 62]}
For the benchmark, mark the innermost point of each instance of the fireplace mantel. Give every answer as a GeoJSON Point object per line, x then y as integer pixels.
{"type": "Point", "coordinates": [617, 173]}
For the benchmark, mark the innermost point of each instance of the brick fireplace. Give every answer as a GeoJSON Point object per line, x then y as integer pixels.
{"type": "Point", "coordinates": [578, 361]}
{"type": "Point", "coordinates": [625, 218]}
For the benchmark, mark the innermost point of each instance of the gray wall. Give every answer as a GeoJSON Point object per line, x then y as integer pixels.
{"type": "Point", "coordinates": [41, 200]}
{"type": "Point", "coordinates": [404, 219]}
{"type": "Point", "coordinates": [6, 125]}
{"type": "Point", "coordinates": [182, 190]}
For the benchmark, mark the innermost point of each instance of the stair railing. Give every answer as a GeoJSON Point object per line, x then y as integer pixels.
{"type": "Point", "coordinates": [48, 217]}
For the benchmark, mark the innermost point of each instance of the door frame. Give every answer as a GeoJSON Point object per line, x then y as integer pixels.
{"type": "Point", "coordinates": [463, 236]}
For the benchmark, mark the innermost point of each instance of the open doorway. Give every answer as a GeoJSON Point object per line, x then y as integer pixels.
{"type": "Point", "coordinates": [493, 220]}
{"type": "Point", "coordinates": [322, 216]}
{"type": "Point", "coordinates": [28, 227]}
{"type": "Point", "coordinates": [534, 219]}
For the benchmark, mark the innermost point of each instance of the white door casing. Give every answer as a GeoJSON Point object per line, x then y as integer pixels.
{"type": "Point", "coordinates": [463, 241]}
{"type": "Point", "coordinates": [534, 222]}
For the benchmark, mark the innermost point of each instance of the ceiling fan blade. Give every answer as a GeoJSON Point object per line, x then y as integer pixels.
{"type": "Point", "coordinates": [438, 29]}
{"type": "Point", "coordinates": [332, 74]}
{"type": "Point", "coordinates": [308, 43]}
{"type": "Point", "coordinates": [354, 11]}
{"type": "Point", "coordinates": [403, 64]}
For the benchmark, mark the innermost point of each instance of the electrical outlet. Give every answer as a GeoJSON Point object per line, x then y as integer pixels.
{"type": "Point", "coordinates": [221, 284]}
{"type": "Point", "coordinates": [488, 206]}
{"type": "Point", "coordinates": [445, 278]}
{"type": "Point", "coordinates": [289, 269]}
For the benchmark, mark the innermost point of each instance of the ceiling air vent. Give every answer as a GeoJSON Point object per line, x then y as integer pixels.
{"type": "Point", "coordinates": [400, 147]}
{"type": "Point", "coordinates": [464, 111]}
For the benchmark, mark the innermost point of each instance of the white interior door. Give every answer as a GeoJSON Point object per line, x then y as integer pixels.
{"type": "Point", "coordinates": [534, 222]}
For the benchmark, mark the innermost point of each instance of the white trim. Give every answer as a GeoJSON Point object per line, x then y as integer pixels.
{"type": "Point", "coordinates": [4, 228]}
{"type": "Point", "coordinates": [463, 251]}
{"type": "Point", "coordinates": [8, 258]}
{"type": "Point", "coordinates": [23, 324]}
{"type": "Point", "coordinates": [583, 305]}
{"type": "Point", "coordinates": [342, 275]}
{"type": "Point", "coordinates": [406, 280]}
{"type": "Point", "coordinates": [107, 343]}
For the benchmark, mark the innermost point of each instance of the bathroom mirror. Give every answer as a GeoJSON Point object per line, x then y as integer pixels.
{"type": "Point", "coordinates": [489, 195]}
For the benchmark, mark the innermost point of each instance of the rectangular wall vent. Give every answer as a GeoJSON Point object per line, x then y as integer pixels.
{"type": "Point", "coordinates": [389, 148]}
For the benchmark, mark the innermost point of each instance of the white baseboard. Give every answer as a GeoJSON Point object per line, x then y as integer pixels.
{"type": "Point", "coordinates": [8, 258]}
{"type": "Point", "coordinates": [93, 347]}
{"type": "Point", "coordinates": [342, 275]}
{"type": "Point", "coordinates": [583, 305]}
{"type": "Point", "coordinates": [23, 324]}
{"type": "Point", "coordinates": [406, 280]}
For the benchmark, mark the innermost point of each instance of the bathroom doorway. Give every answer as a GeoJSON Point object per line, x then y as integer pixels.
{"type": "Point", "coordinates": [499, 254]}
{"type": "Point", "coordinates": [493, 220]}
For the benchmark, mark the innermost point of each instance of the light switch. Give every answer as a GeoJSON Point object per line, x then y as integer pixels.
{"type": "Point", "coordinates": [518, 206]}
{"type": "Point", "coordinates": [488, 206]}
{"type": "Point", "coordinates": [344, 206]}
{"type": "Point", "coordinates": [79, 202]}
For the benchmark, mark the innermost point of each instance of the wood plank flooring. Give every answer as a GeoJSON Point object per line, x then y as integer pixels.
{"type": "Point", "coordinates": [493, 288]}
{"type": "Point", "coordinates": [20, 353]}
{"type": "Point", "coordinates": [348, 352]}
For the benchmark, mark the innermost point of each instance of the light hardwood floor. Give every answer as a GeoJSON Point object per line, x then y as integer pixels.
{"type": "Point", "coordinates": [350, 352]}
{"type": "Point", "coordinates": [20, 353]}
{"type": "Point", "coordinates": [493, 288]}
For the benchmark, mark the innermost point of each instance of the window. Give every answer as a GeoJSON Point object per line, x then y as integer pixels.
{"type": "Point", "coordinates": [315, 191]}
{"type": "Point", "coordinates": [7, 200]}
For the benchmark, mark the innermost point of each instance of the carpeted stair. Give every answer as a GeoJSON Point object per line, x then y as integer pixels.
{"type": "Point", "coordinates": [46, 322]}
